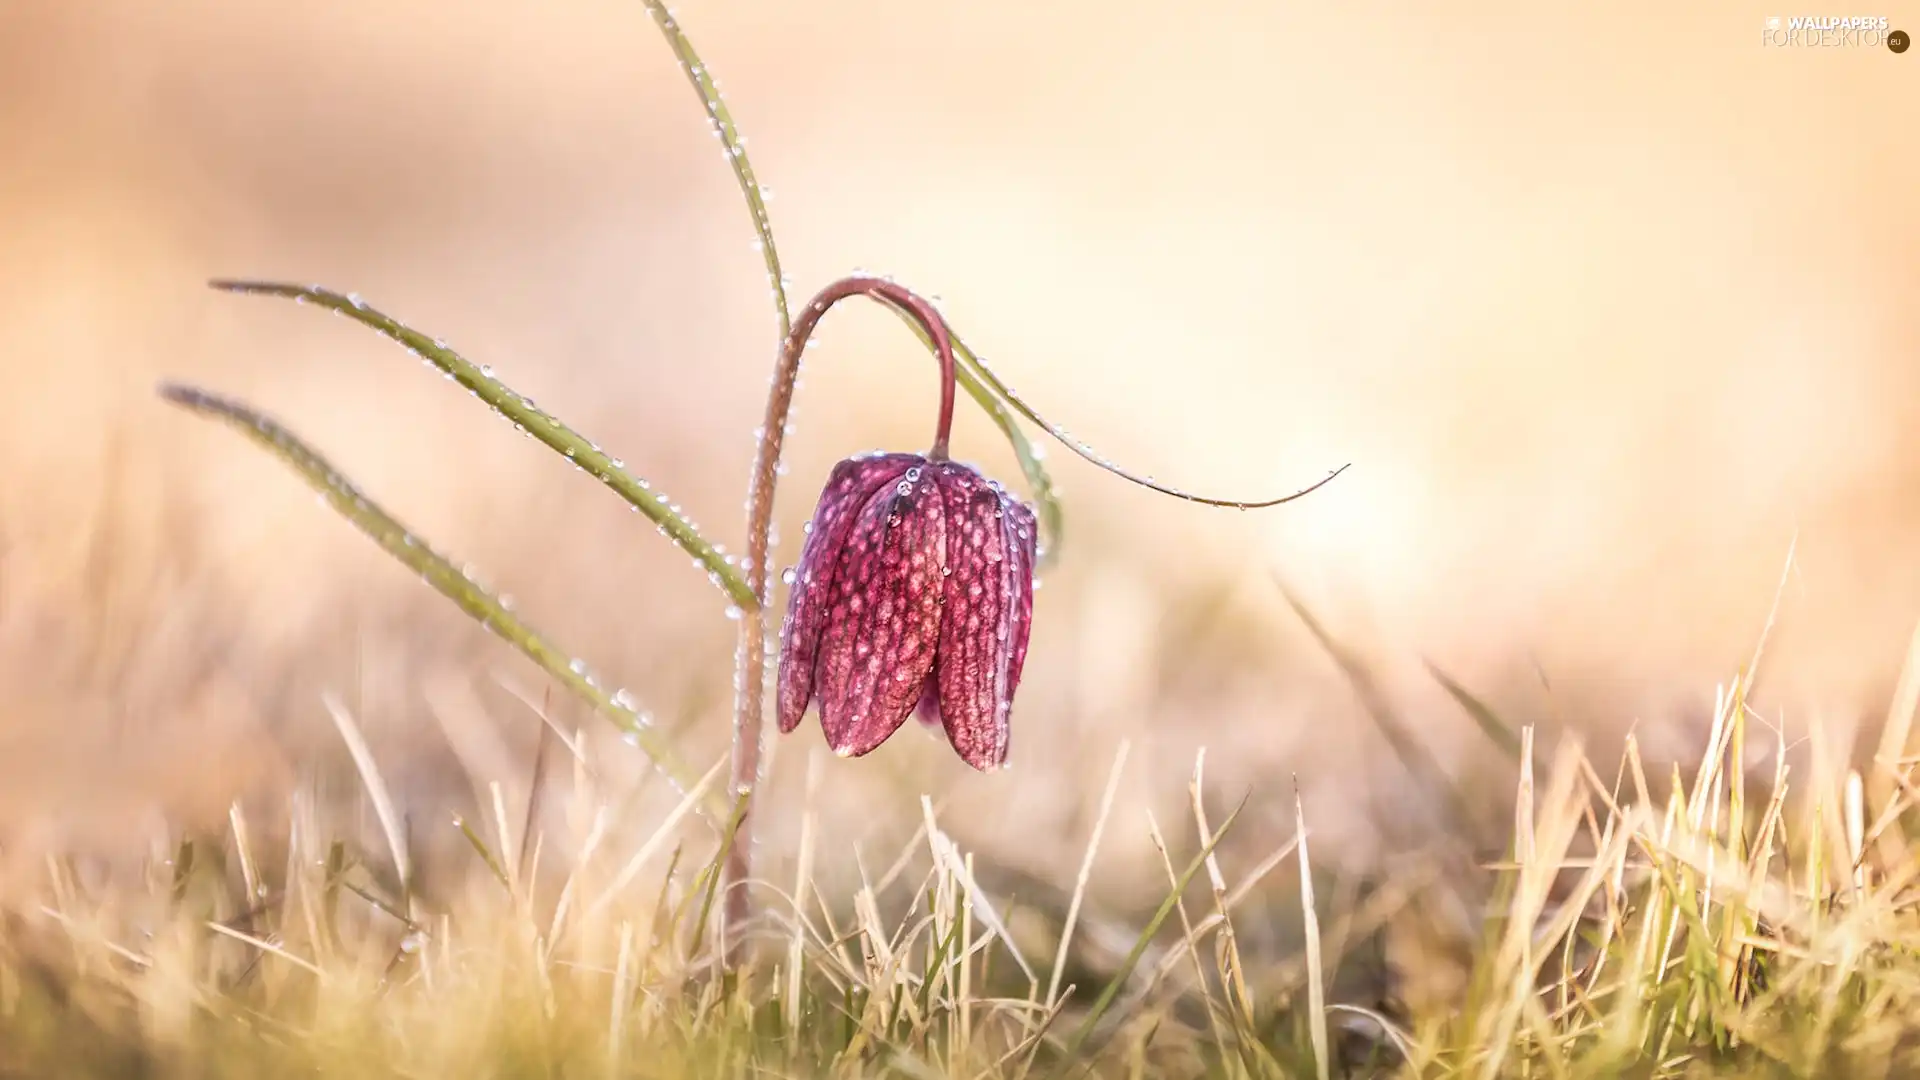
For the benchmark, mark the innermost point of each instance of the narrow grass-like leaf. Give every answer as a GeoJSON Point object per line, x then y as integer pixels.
{"type": "Point", "coordinates": [1120, 977]}
{"type": "Point", "coordinates": [498, 871]}
{"type": "Point", "coordinates": [562, 439]}
{"type": "Point", "coordinates": [714, 877]}
{"type": "Point", "coordinates": [381, 905]}
{"type": "Point", "coordinates": [437, 571]}
{"type": "Point", "coordinates": [1214, 1011]}
{"type": "Point", "coordinates": [182, 869]}
{"type": "Point", "coordinates": [1489, 722]}
{"type": "Point", "coordinates": [1419, 761]}
{"type": "Point", "coordinates": [735, 149]}
{"type": "Point", "coordinates": [335, 870]}
{"type": "Point", "coordinates": [1006, 393]}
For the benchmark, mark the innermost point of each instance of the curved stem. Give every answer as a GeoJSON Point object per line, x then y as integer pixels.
{"type": "Point", "coordinates": [888, 292]}
{"type": "Point", "coordinates": [751, 652]}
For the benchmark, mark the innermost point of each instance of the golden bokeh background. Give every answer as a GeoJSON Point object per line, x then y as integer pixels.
{"type": "Point", "coordinates": [1607, 309]}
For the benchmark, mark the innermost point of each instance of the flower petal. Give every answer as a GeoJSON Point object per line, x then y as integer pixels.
{"type": "Point", "coordinates": [989, 582]}
{"type": "Point", "coordinates": [883, 627]}
{"type": "Point", "coordinates": [928, 711]}
{"type": "Point", "coordinates": [848, 489]}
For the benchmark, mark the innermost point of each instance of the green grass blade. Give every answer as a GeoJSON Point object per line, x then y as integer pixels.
{"type": "Point", "coordinates": [1112, 990]}
{"type": "Point", "coordinates": [436, 570]}
{"type": "Point", "coordinates": [1489, 722]}
{"type": "Point", "coordinates": [494, 867]}
{"type": "Point", "coordinates": [1007, 394]}
{"type": "Point", "coordinates": [1413, 753]}
{"type": "Point", "coordinates": [714, 875]}
{"type": "Point", "coordinates": [559, 437]}
{"type": "Point", "coordinates": [735, 148]}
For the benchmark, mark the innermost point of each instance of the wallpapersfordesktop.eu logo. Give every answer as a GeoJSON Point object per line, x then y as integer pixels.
{"type": "Point", "coordinates": [1834, 31]}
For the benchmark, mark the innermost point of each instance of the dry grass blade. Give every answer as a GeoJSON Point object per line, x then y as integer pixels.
{"type": "Point", "coordinates": [1894, 738]}
{"type": "Point", "coordinates": [1232, 969]}
{"type": "Point", "coordinates": [655, 842]}
{"type": "Point", "coordinates": [1147, 934]}
{"type": "Point", "coordinates": [948, 858]}
{"type": "Point", "coordinates": [376, 786]}
{"type": "Point", "coordinates": [1316, 977]}
{"type": "Point", "coordinates": [267, 947]}
{"type": "Point", "coordinates": [1086, 872]}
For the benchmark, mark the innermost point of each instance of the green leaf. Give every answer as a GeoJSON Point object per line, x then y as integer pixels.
{"type": "Point", "coordinates": [569, 444]}
{"type": "Point", "coordinates": [436, 570]}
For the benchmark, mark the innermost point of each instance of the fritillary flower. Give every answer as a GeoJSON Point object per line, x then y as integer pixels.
{"type": "Point", "coordinates": [914, 592]}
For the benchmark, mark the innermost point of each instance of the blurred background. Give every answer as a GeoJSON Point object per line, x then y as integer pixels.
{"type": "Point", "coordinates": [1607, 311]}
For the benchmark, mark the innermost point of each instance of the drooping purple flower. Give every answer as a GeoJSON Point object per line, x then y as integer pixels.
{"type": "Point", "coordinates": [914, 592]}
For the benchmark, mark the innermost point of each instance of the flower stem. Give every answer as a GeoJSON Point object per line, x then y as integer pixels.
{"type": "Point", "coordinates": [751, 652]}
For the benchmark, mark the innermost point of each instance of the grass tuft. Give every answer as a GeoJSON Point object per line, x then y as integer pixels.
{"type": "Point", "coordinates": [1699, 930]}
